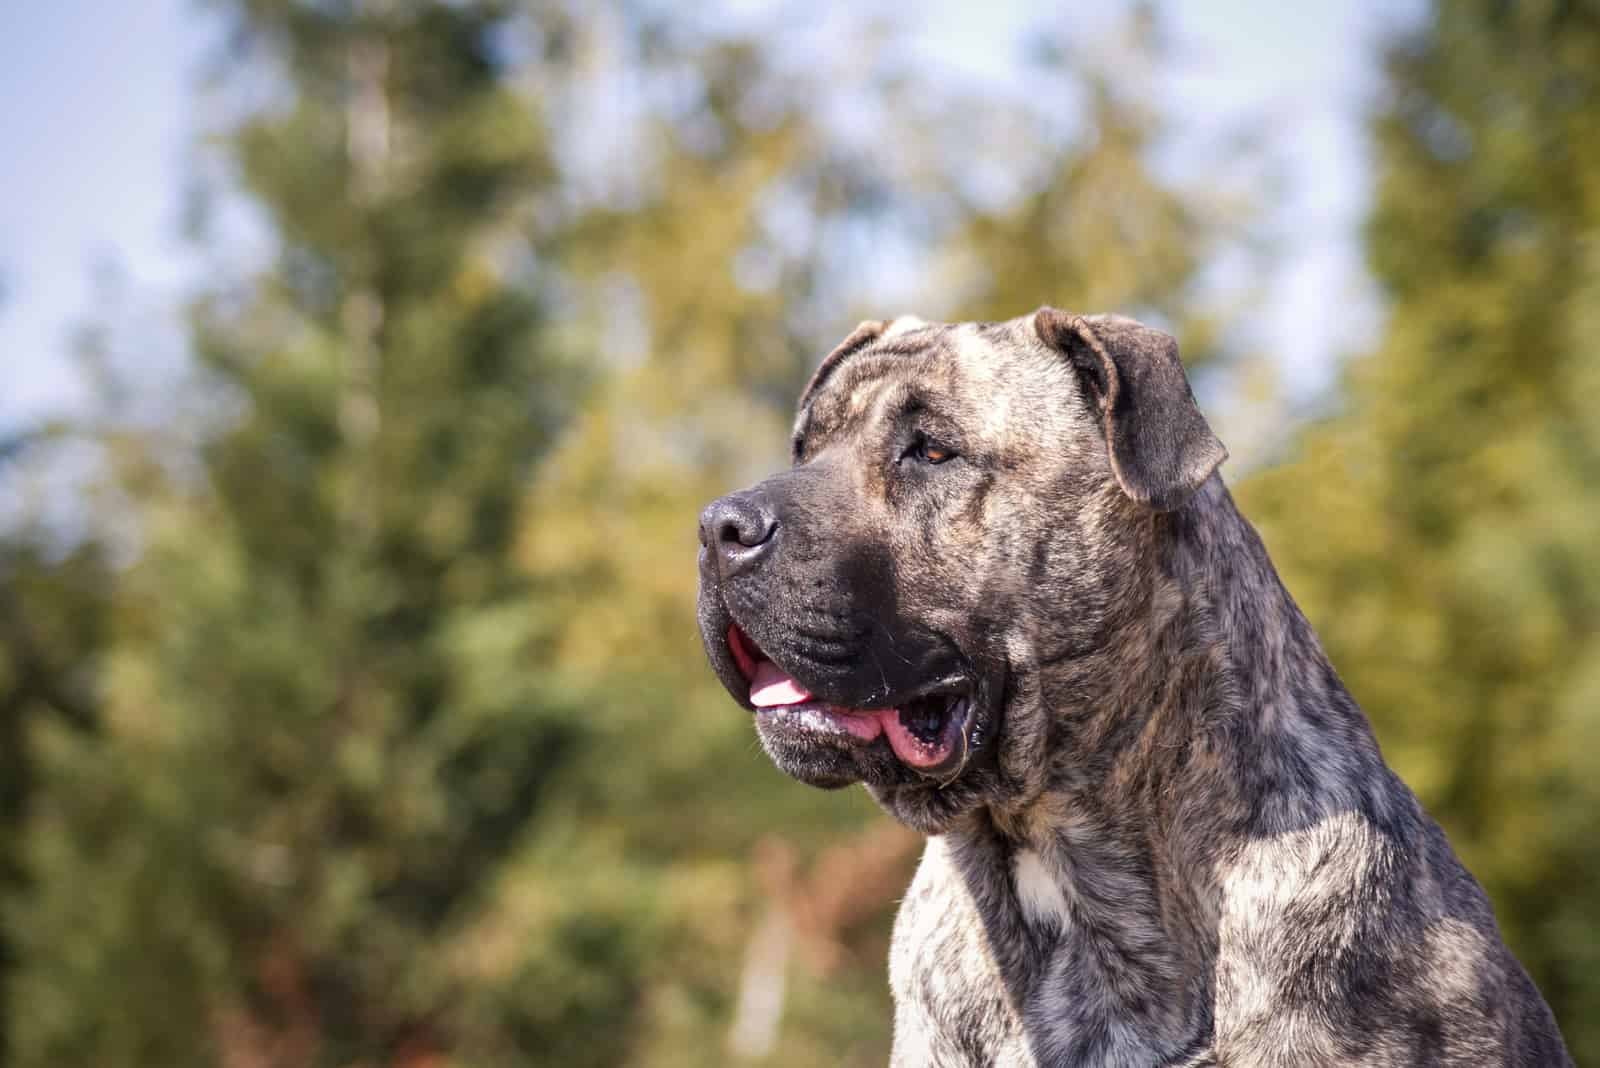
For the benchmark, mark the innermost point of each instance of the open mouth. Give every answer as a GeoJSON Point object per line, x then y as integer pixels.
{"type": "Point", "coordinates": [926, 732]}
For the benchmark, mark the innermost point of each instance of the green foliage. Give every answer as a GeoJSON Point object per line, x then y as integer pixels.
{"type": "Point", "coordinates": [328, 723]}
{"type": "Point", "coordinates": [1101, 228]}
{"type": "Point", "coordinates": [52, 623]}
{"type": "Point", "coordinates": [1440, 532]}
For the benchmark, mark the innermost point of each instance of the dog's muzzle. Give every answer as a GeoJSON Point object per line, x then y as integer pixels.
{"type": "Point", "coordinates": [799, 668]}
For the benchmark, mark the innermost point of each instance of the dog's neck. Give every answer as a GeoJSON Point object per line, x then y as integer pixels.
{"type": "Point", "coordinates": [1166, 727]}
{"type": "Point", "coordinates": [1209, 666]}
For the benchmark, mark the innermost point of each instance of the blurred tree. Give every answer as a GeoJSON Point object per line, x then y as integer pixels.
{"type": "Point", "coordinates": [1096, 225]}
{"type": "Point", "coordinates": [1441, 531]}
{"type": "Point", "coordinates": [329, 720]}
{"type": "Point", "coordinates": [52, 623]}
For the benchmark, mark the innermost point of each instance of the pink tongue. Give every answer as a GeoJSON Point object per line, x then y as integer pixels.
{"type": "Point", "coordinates": [771, 687]}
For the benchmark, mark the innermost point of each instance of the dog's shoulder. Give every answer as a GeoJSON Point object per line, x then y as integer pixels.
{"type": "Point", "coordinates": [1362, 939]}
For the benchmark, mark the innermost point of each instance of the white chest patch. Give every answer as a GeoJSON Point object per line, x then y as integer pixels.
{"type": "Point", "coordinates": [1038, 892]}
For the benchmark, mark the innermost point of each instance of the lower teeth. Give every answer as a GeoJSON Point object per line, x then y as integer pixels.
{"type": "Point", "coordinates": [925, 719]}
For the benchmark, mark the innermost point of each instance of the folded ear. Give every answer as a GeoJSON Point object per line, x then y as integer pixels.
{"type": "Point", "coordinates": [1160, 446]}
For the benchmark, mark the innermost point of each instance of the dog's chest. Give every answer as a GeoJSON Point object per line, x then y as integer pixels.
{"type": "Point", "coordinates": [988, 967]}
{"type": "Point", "coordinates": [952, 1005]}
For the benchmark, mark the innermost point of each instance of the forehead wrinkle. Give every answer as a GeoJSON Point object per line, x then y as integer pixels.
{"type": "Point", "coordinates": [869, 395]}
{"type": "Point", "coordinates": [892, 399]}
{"type": "Point", "coordinates": [854, 382]}
{"type": "Point", "coordinates": [849, 390]}
{"type": "Point", "coordinates": [875, 400]}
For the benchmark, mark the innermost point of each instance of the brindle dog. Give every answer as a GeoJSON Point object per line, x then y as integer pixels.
{"type": "Point", "coordinates": [1004, 587]}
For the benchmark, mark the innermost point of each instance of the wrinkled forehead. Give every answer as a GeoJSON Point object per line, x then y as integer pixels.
{"type": "Point", "coordinates": [986, 376]}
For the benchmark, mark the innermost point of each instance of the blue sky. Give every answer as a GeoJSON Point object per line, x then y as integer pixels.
{"type": "Point", "coordinates": [96, 113]}
{"type": "Point", "coordinates": [93, 128]}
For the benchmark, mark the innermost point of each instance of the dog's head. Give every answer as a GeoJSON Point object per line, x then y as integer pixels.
{"type": "Point", "coordinates": [968, 505]}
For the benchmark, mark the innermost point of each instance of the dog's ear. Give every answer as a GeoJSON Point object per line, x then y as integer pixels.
{"type": "Point", "coordinates": [1160, 446]}
{"type": "Point", "coordinates": [862, 336]}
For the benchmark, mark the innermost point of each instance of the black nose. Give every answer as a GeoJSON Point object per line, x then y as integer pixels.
{"type": "Point", "coordinates": [739, 529]}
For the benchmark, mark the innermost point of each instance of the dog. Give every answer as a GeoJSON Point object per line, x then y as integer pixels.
{"type": "Point", "coordinates": [1004, 586]}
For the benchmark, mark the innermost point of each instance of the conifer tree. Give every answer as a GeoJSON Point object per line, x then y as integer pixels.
{"type": "Point", "coordinates": [328, 722]}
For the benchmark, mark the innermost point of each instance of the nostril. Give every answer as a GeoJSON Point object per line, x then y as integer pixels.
{"type": "Point", "coordinates": [746, 531]}
{"type": "Point", "coordinates": [743, 525]}
{"type": "Point", "coordinates": [738, 528]}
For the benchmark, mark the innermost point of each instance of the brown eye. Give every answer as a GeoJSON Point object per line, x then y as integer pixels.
{"type": "Point", "coordinates": [928, 452]}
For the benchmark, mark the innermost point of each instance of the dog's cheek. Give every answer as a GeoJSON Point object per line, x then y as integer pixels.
{"type": "Point", "coordinates": [943, 573]}
{"type": "Point", "coordinates": [1022, 738]}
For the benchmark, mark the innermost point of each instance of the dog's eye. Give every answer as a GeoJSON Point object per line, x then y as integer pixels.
{"type": "Point", "coordinates": [929, 452]}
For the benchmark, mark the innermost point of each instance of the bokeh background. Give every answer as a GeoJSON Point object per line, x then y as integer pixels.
{"type": "Point", "coordinates": [364, 364]}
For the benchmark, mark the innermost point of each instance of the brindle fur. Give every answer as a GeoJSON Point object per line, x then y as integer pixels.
{"type": "Point", "coordinates": [1176, 842]}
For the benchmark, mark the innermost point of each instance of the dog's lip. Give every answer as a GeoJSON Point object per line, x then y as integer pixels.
{"type": "Point", "coordinates": [746, 655]}
{"type": "Point", "coordinates": [940, 757]}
